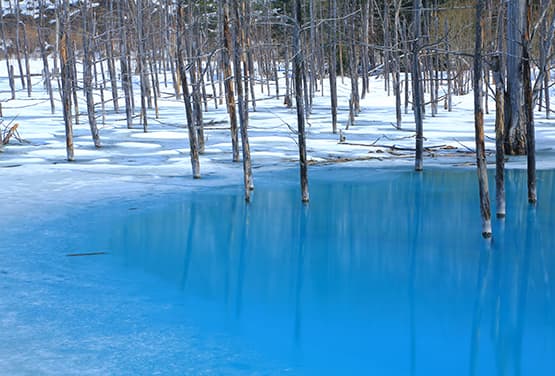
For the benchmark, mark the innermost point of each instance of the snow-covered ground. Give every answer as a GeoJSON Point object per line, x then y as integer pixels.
{"type": "Point", "coordinates": [35, 174]}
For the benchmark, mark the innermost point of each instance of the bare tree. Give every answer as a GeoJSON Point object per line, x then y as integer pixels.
{"type": "Point", "coordinates": [9, 68]}
{"type": "Point", "coordinates": [87, 70]}
{"type": "Point", "coordinates": [332, 64]}
{"type": "Point", "coordinates": [417, 86]}
{"type": "Point", "coordinates": [479, 123]}
{"type": "Point", "coordinates": [124, 66]}
{"type": "Point", "coordinates": [241, 100]}
{"type": "Point", "coordinates": [298, 67]}
{"type": "Point", "coordinates": [45, 65]}
{"type": "Point", "coordinates": [515, 132]}
{"type": "Point", "coordinates": [66, 76]}
{"type": "Point", "coordinates": [529, 105]}
{"type": "Point", "coordinates": [181, 50]}
{"type": "Point", "coordinates": [228, 79]}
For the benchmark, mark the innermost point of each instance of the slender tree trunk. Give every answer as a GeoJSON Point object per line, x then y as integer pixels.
{"type": "Point", "coordinates": [44, 56]}
{"type": "Point", "coordinates": [479, 124]}
{"type": "Point", "coordinates": [111, 61]}
{"type": "Point", "coordinates": [6, 54]}
{"type": "Point", "coordinates": [195, 163]}
{"type": "Point", "coordinates": [287, 98]}
{"type": "Point", "coordinates": [197, 104]}
{"type": "Point", "coordinates": [87, 74]}
{"type": "Point", "coordinates": [66, 77]}
{"type": "Point", "coordinates": [141, 66]}
{"type": "Point", "coordinates": [407, 65]}
{"type": "Point", "coordinates": [298, 68]}
{"type": "Point", "coordinates": [353, 65]}
{"type": "Point", "coordinates": [228, 83]}
{"type": "Point", "coordinates": [529, 106]}
{"type": "Point", "coordinates": [243, 115]}
{"type": "Point", "coordinates": [448, 95]}
{"type": "Point", "coordinates": [333, 64]}
{"type": "Point", "coordinates": [27, 63]}
{"type": "Point", "coordinates": [515, 130]}
{"type": "Point", "coordinates": [545, 43]}
{"type": "Point", "coordinates": [18, 44]}
{"type": "Point", "coordinates": [364, 49]}
{"type": "Point", "coordinates": [417, 87]}
{"type": "Point", "coordinates": [74, 80]}
{"type": "Point", "coordinates": [397, 67]}
{"type": "Point", "coordinates": [499, 138]}
{"type": "Point", "coordinates": [124, 67]}
{"type": "Point", "coordinates": [387, 49]}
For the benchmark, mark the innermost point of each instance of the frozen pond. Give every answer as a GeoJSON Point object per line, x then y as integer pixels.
{"type": "Point", "coordinates": [384, 273]}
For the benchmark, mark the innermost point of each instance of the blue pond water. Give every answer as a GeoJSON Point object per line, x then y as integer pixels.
{"type": "Point", "coordinates": [384, 273]}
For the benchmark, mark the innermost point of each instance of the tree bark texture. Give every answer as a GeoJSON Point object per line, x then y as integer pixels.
{"type": "Point", "coordinates": [417, 87]}
{"type": "Point", "coordinates": [481, 162]}
{"type": "Point", "coordinates": [298, 68]}
{"type": "Point", "coordinates": [66, 77]}
{"type": "Point", "coordinates": [193, 145]}
{"type": "Point", "coordinates": [529, 106]}
{"type": "Point", "coordinates": [515, 131]}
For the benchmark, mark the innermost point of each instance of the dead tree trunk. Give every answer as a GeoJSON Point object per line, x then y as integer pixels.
{"type": "Point", "coordinates": [529, 106]}
{"type": "Point", "coordinates": [417, 86]}
{"type": "Point", "coordinates": [27, 63]}
{"type": "Point", "coordinates": [364, 48]}
{"type": "Point", "coordinates": [141, 65]}
{"type": "Point", "coordinates": [66, 77]}
{"type": "Point", "coordinates": [74, 79]}
{"type": "Point", "coordinates": [515, 130]}
{"type": "Point", "coordinates": [397, 68]}
{"type": "Point", "coordinates": [499, 137]}
{"type": "Point", "coordinates": [111, 62]}
{"type": "Point", "coordinates": [449, 94]}
{"type": "Point", "coordinates": [124, 67]}
{"type": "Point", "coordinates": [333, 63]}
{"type": "Point", "coordinates": [546, 39]}
{"type": "Point", "coordinates": [298, 67]}
{"type": "Point", "coordinates": [243, 114]}
{"type": "Point", "coordinates": [44, 56]}
{"type": "Point", "coordinates": [181, 49]}
{"type": "Point", "coordinates": [18, 44]}
{"type": "Point", "coordinates": [6, 54]}
{"type": "Point", "coordinates": [479, 124]}
{"type": "Point", "coordinates": [228, 81]}
{"type": "Point", "coordinates": [87, 73]}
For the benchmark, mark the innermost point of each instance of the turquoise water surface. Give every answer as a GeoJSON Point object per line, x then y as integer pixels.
{"type": "Point", "coordinates": [383, 273]}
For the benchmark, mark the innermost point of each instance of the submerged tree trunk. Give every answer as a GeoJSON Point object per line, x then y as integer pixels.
{"type": "Point", "coordinates": [529, 107]}
{"type": "Point", "coordinates": [298, 68]}
{"type": "Point", "coordinates": [515, 130]}
{"type": "Point", "coordinates": [499, 138]}
{"type": "Point", "coordinates": [243, 114]}
{"type": "Point", "coordinates": [228, 82]}
{"type": "Point", "coordinates": [87, 73]}
{"type": "Point", "coordinates": [66, 78]}
{"type": "Point", "coordinates": [193, 145]}
{"type": "Point", "coordinates": [417, 87]}
{"type": "Point", "coordinates": [479, 124]}
{"type": "Point", "coordinates": [397, 67]}
{"type": "Point", "coordinates": [332, 66]}
{"type": "Point", "coordinates": [124, 67]}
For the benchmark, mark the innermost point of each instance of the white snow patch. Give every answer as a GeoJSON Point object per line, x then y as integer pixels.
{"type": "Point", "coordinates": [130, 159]}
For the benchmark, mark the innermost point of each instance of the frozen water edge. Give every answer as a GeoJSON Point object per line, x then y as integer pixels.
{"type": "Point", "coordinates": [132, 163]}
